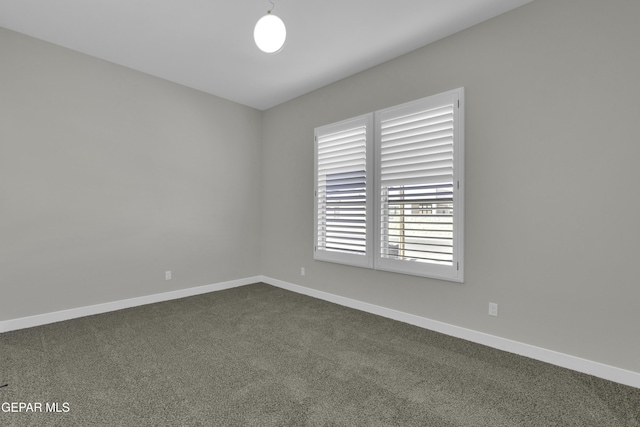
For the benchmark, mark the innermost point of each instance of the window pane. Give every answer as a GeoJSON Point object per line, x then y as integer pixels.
{"type": "Point", "coordinates": [418, 223]}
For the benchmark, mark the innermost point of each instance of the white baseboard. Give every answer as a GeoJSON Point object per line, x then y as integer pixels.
{"type": "Point", "coordinates": [574, 363]}
{"type": "Point", "coordinates": [578, 364]}
{"type": "Point", "coordinates": [59, 316]}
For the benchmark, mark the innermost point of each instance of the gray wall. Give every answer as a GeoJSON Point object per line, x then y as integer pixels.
{"type": "Point", "coordinates": [109, 177]}
{"type": "Point", "coordinates": [552, 206]}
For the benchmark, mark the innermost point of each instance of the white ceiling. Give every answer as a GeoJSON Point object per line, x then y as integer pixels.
{"type": "Point", "coordinates": [208, 44]}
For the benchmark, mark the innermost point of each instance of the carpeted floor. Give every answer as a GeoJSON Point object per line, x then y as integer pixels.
{"type": "Point", "coordinates": [262, 356]}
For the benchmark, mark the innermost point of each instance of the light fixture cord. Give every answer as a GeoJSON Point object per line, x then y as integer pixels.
{"type": "Point", "coordinates": [273, 6]}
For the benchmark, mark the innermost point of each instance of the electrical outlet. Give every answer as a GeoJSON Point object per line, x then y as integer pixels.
{"type": "Point", "coordinates": [493, 309]}
{"type": "Point", "coordinates": [302, 272]}
{"type": "Point", "coordinates": [167, 275]}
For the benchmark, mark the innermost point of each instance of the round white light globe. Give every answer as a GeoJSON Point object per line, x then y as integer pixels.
{"type": "Point", "coordinates": [270, 33]}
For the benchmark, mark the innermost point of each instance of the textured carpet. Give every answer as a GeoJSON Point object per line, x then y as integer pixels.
{"type": "Point", "coordinates": [262, 356]}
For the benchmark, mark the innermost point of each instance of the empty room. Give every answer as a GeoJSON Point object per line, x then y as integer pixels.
{"type": "Point", "coordinates": [357, 213]}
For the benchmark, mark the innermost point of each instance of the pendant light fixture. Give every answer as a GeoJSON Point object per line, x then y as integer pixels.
{"type": "Point", "coordinates": [270, 32]}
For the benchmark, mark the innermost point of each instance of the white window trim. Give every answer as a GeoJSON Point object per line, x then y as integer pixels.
{"type": "Point", "coordinates": [373, 257]}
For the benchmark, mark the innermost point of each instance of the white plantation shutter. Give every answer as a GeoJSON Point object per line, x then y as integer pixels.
{"type": "Point", "coordinates": [389, 189]}
{"type": "Point", "coordinates": [418, 174]}
{"type": "Point", "coordinates": [343, 193]}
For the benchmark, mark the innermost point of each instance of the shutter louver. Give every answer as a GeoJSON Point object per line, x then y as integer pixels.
{"type": "Point", "coordinates": [416, 184]}
{"type": "Point", "coordinates": [342, 189]}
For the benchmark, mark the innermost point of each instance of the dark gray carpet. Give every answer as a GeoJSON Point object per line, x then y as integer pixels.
{"type": "Point", "coordinates": [262, 356]}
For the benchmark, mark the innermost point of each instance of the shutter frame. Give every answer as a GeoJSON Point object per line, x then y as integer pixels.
{"type": "Point", "coordinates": [343, 231]}
{"type": "Point", "coordinates": [397, 139]}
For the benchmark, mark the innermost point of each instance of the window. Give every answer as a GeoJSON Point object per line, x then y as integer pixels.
{"type": "Point", "coordinates": [389, 189]}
